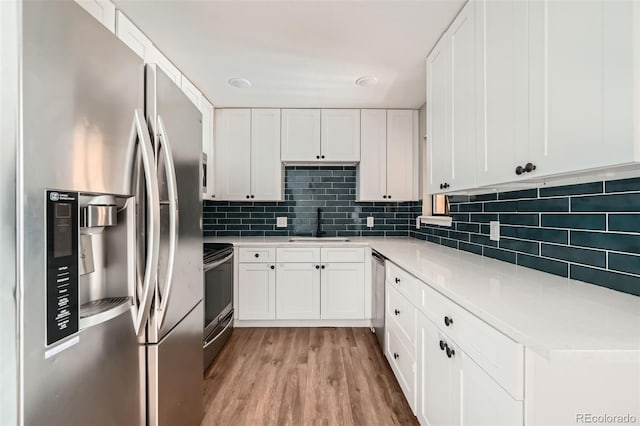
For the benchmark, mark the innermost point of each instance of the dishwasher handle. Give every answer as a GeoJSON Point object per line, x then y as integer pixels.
{"type": "Point", "coordinates": [377, 256]}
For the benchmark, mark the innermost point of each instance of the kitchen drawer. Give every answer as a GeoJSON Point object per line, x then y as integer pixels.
{"type": "Point", "coordinates": [401, 315]}
{"type": "Point", "coordinates": [501, 357]}
{"type": "Point", "coordinates": [403, 365]}
{"type": "Point", "coordinates": [342, 255]}
{"type": "Point", "coordinates": [298, 255]}
{"type": "Point", "coordinates": [257, 255]}
{"type": "Point", "coordinates": [408, 285]}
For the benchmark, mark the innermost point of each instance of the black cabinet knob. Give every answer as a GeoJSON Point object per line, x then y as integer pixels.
{"type": "Point", "coordinates": [529, 167]}
{"type": "Point", "coordinates": [317, 157]}
{"type": "Point", "coordinates": [448, 321]}
{"type": "Point", "coordinates": [395, 355]}
{"type": "Point", "coordinates": [213, 196]}
{"type": "Point", "coordinates": [397, 280]}
{"type": "Point", "coordinates": [397, 312]}
{"type": "Point", "coordinates": [389, 196]}
{"type": "Point", "coordinates": [441, 186]}
{"type": "Point", "coordinates": [247, 196]}
{"type": "Point", "coordinates": [253, 196]}
{"type": "Point", "coordinates": [322, 156]}
{"type": "Point", "coordinates": [322, 266]}
{"type": "Point", "coordinates": [257, 255]}
{"type": "Point", "coordinates": [519, 170]}
{"type": "Point", "coordinates": [273, 266]}
{"type": "Point", "coordinates": [442, 345]}
{"type": "Point", "coordinates": [450, 352]}
{"type": "Point", "coordinates": [384, 196]}
{"type": "Point", "coordinates": [317, 266]}
{"type": "Point", "coordinates": [446, 185]}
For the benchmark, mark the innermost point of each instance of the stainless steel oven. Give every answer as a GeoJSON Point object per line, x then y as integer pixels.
{"type": "Point", "coordinates": [218, 299]}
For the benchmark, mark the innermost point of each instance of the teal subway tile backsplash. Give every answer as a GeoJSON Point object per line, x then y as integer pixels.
{"type": "Point", "coordinates": [307, 189]}
{"type": "Point", "coordinates": [589, 232]}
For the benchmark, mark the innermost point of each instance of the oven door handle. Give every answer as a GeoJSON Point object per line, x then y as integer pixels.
{"type": "Point", "coordinates": [208, 343]}
{"type": "Point", "coordinates": [210, 266]}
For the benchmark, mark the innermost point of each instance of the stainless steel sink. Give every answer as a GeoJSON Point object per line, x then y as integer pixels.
{"type": "Point", "coordinates": [318, 239]}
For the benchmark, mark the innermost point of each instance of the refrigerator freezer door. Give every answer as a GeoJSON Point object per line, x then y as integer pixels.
{"type": "Point", "coordinates": [80, 87]}
{"type": "Point", "coordinates": [182, 125]}
{"type": "Point", "coordinates": [175, 374]}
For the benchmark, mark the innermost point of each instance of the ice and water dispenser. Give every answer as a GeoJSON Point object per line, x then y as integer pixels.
{"type": "Point", "coordinates": [90, 260]}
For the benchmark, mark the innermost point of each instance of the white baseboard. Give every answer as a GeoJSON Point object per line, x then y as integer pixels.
{"type": "Point", "coordinates": [302, 323]}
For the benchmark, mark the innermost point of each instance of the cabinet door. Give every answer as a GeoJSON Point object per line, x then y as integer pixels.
{"type": "Point", "coordinates": [207, 147]}
{"type": "Point", "coordinates": [233, 154]}
{"type": "Point", "coordinates": [134, 38]}
{"type": "Point", "coordinates": [167, 66]}
{"type": "Point", "coordinates": [582, 75]}
{"type": "Point", "coordinates": [103, 10]}
{"type": "Point", "coordinates": [402, 151]}
{"type": "Point", "coordinates": [266, 167]}
{"type": "Point", "coordinates": [256, 291]}
{"type": "Point", "coordinates": [434, 370]}
{"type": "Point", "coordinates": [340, 135]}
{"type": "Point", "coordinates": [439, 153]}
{"type": "Point", "coordinates": [482, 401]}
{"type": "Point", "coordinates": [462, 42]}
{"type": "Point", "coordinates": [501, 90]}
{"type": "Point", "coordinates": [342, 292]}
{"type": "Point", "coordinates": [300, 135]}
{"type": "Point", "coordinates": [191, 91]}
{"type": "Point", "coordinates": [298, 291]}
{"type": "Point", "coordinates": [372, 170]}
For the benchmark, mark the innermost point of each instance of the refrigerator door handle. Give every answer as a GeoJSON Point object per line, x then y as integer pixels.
{"type": "Point", "coordinates": [140, 139]}
{"type": "Point", "coordinates": [172, 189]}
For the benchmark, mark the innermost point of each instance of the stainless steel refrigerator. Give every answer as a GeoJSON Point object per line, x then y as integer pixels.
{"type": "Point", "coordinates": [101, 233]}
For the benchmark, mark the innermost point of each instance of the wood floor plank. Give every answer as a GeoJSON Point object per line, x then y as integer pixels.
{"type": "Point", "coordinates": [303, 376]}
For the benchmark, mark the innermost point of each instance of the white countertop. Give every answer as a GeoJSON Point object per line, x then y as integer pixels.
{"type": "Point", "coordinates": [550, 315]}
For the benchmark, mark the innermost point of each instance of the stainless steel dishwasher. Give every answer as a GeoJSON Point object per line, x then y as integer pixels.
{"type": "Point", "coordinates": [378, 277]}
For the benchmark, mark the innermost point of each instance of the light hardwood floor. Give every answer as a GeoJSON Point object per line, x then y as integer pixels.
{"type": "Point", "coordinates": [303, 376]}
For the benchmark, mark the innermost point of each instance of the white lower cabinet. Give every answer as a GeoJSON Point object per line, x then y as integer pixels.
{"type": "Point", "coordinates": [256, 291]}
{"type": "Point", "coordinates": [297, 291]}
{"type": "Point", "coordinates": [342, 292]}
{"type": "Point", "coordinates": [299, 284]}
{"type": "Point", "coordinates": [454, 390]}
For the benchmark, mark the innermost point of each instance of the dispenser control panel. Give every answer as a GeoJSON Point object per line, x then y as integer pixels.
{"type": "Point", "coordinates": [62, 298]}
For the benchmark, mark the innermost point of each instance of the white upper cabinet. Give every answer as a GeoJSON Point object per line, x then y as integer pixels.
{"type": "Point", "coordinates": [103, 10]}
{"type": "Point", "coordinates": [233, 154]}
{"type": "Point", "coordinates": [451, 106]}
{"type": "Point", "coordinates": [439, 150]}
{"type": "Point", "coordinates": [167, 66]}
{"type": "Point", "coordinates": [304, 139]}
{"type": "Point", "coordinates": [247, 155]}
{"type": "Point", "coordinates": [134, 38]}
{"type": "Point", "coordinates": [372, 170]}
{"type": "Point", "coordinates": [300, 135]}
{"type": "Point", "coordinates": [207, 148]}
{"type": "Point", "coordinates": [266, 167]}
{"type": "Point", "coordinates": [340, 135]}
{"type": "Point", "coordinates": [192, 92]}
{"type": "Point", "coordinates": [582, 84]}
{"type": "Point", "coordinates": [463, 137]}
{"type": "Point", "coordinates": [402, 155]}
{"type": "Point", "coordinates": [502, 68]}
{"type": "Point", "coordinates": [389, 153]}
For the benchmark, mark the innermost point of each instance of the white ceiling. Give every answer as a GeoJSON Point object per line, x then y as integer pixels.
{"type": "Point", "coordinates": [299, 53]}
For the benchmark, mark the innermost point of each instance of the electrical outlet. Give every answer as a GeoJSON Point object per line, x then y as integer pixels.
{"type": "Point", "coordinates": [417, 223]}
{"type": "Point", "coordinates": [494, 230]}
{"type": "Point", "coordinates": [370, 222]}
{"type": "Point", "coordinates": [281, 222]}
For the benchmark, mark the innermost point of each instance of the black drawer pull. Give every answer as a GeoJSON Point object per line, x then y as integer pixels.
{"type": "Point", "coordinates": [396, 312]}
{"type": "Point", "coordinates": [256, 255]}
{"type": "Point", "coordinates": [397, 280]}
{"type": "Point", "coordinates": [395, 355]}
{"type": "Point", "coordinates": [448, 321]}
{"type": "Point", "coordinates": [442, 345]}
{"type": "Point", "coordinates": [450, 352]}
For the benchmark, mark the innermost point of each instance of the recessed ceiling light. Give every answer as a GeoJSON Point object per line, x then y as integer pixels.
{"type": "Point", "coordinates": [367, 81]}
{"type": "Point", "coordinates": [240, 83]}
